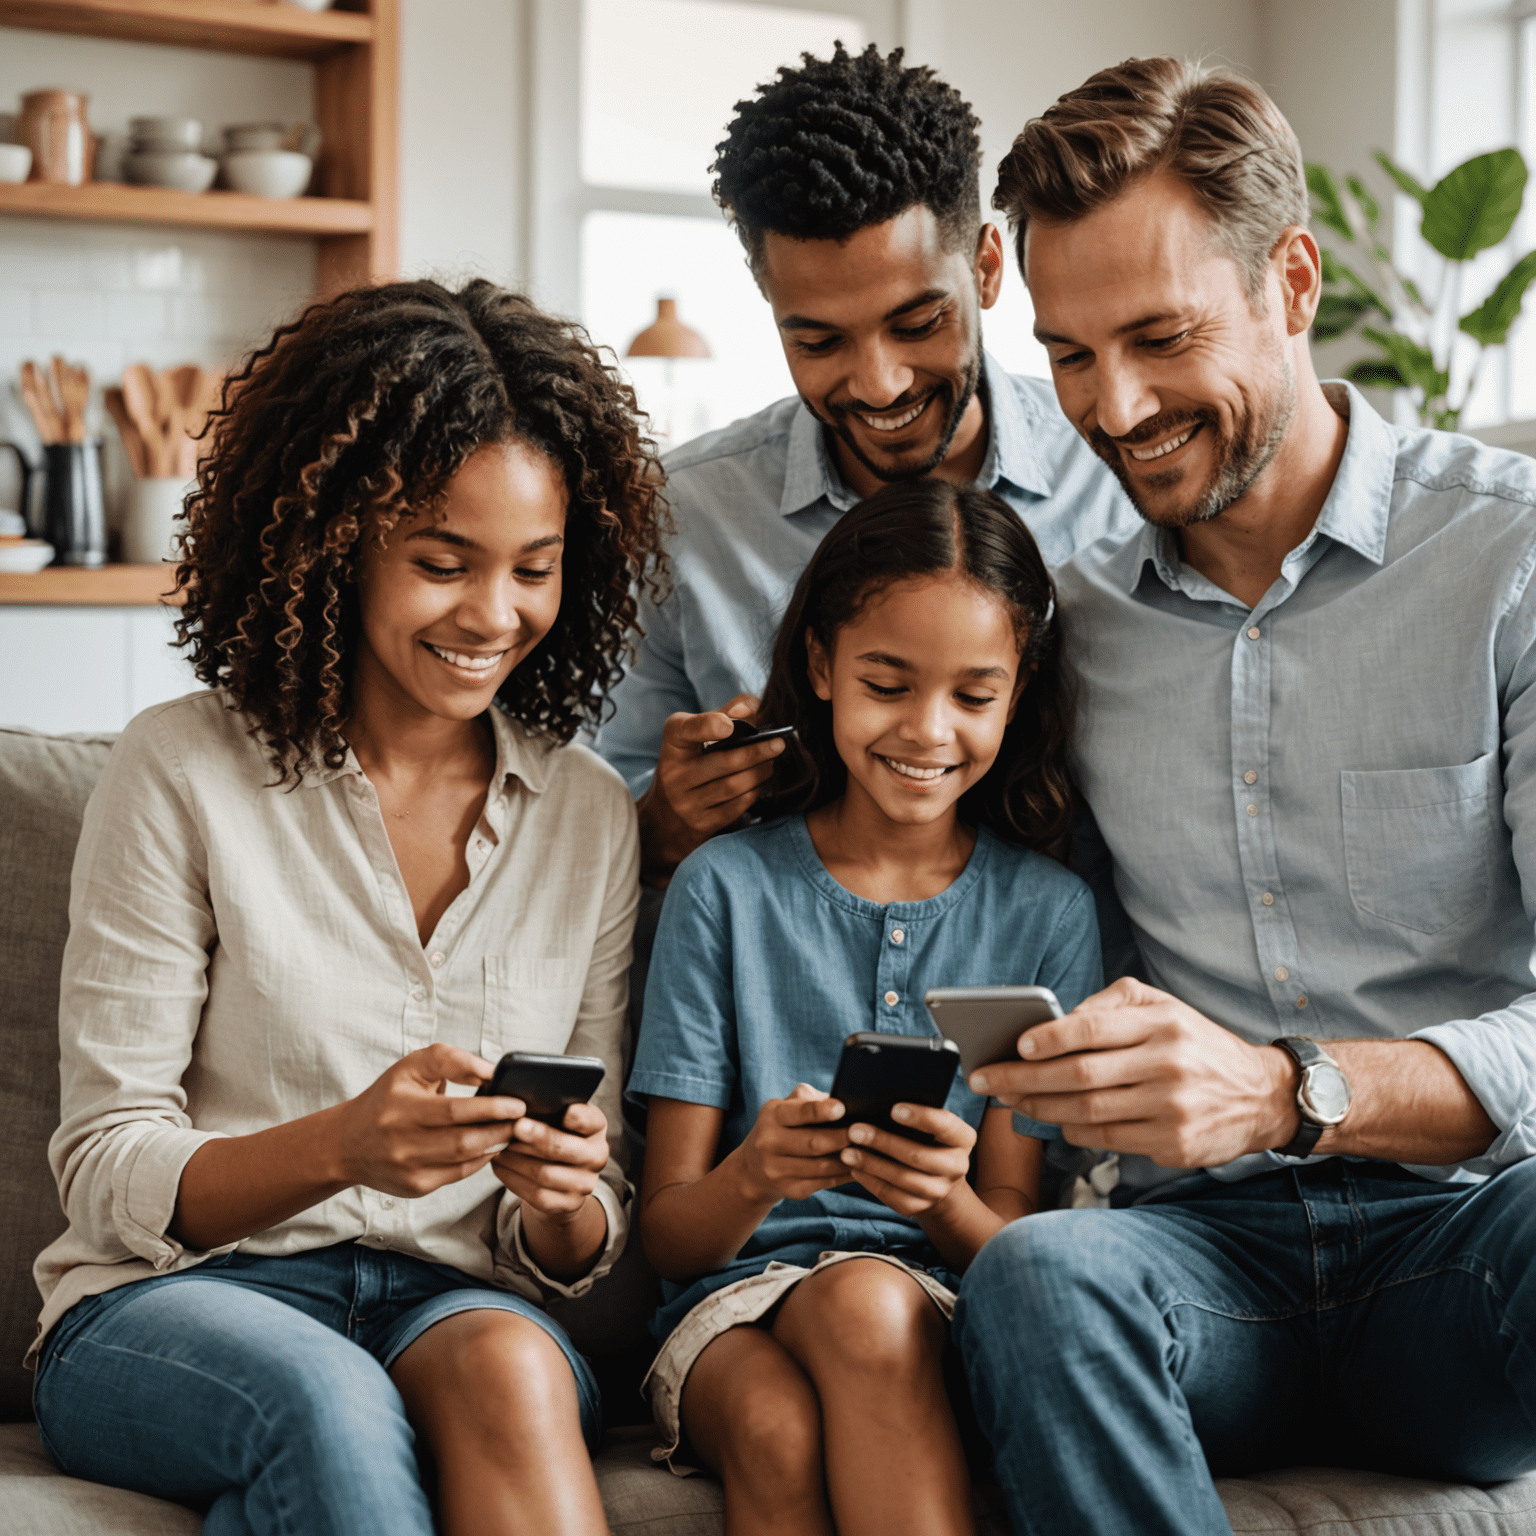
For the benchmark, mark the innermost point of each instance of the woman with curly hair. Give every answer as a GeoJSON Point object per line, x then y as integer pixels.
{"type": "Point", "coordinates": [314, 904]}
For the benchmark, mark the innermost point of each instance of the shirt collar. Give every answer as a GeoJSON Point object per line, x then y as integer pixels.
{"type": "Point", "coordinates": [811, 475]}
{"type": "Point", "coordinates": [520, 754]}
{"type": "Point", "coordinates": [1358, 504]}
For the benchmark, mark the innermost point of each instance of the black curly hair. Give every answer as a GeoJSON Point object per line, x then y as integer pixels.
{"type": "Point", "coordinates": [357, 415]}
{"type": "Point", "coordinates": [917, 528]}
{"type": "Point", "coordinates": [839, 144]}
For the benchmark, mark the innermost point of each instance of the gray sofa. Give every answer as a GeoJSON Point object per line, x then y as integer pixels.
{"type": "Point", "coordinates": [44, 782]}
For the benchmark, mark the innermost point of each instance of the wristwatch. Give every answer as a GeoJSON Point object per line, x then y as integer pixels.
{"type": "Point", "coordinates": [1322, 1095]}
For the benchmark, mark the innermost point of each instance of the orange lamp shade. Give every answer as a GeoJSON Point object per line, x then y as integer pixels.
{"type": "Point", "coordinates": [667, 336]}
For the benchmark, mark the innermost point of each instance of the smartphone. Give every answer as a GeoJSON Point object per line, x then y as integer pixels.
{"type": "Point", "coordinates": [548, 1085]}
{"type": "Point", "coordinates": [744, 734]}
{"type": "Point", "coordinates": [878, 1071]}
{"type": "Point", "coordinates": [986, 1022]}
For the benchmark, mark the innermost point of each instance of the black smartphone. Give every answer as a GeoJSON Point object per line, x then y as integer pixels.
{"type": "Point", "coordinates": [548, 1085]}
{"type": "Point", "coordinates": [878, 1071]}
{"type": "Point", "coordinates": [744, 734]}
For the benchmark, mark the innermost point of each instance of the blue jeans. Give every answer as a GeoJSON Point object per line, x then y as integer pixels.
{"type": "Point", "coordinates": [1344, 1313]}
{"type": "Point", "coordinates": [261, 1385]}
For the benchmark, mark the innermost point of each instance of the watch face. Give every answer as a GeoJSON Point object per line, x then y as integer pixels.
{"type": "Point", "coordinates": [1325, 1093]}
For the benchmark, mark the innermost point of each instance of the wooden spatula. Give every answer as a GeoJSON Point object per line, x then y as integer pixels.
{"type": "Point", "coordinates": [133, 442]}
{"type": "Point", "coordinates": [46, 415]}
{"type": "Point", "coordinates": [140, 396]}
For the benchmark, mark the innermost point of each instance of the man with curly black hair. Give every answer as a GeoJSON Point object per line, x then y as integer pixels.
{"type": "Point", "coordinates": [852, 184]}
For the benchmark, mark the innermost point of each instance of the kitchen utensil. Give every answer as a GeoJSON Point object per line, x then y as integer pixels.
{"type": "Point", "coordinates": [170, 133]}
{"type": "Point", "coordinates": [25, 557]}
{"type": "Point", "coordinates": [150, 523]}
{"type": "Point", "coordinates": [268, 172]}
{"type": "Point", "coordinates": [53, 127]}
{"type": "Point", "coordinates": [141, 399]}
{"type": "Point", "coordinates": [133, 443]}
{"type": "Point", "coordinates": [182, 169]}
{"type": "Point", "coordinates": [74, 517]}
{"type": "Point", "coordinates": [15, 162]}
{"type": "Point", "coordinates": [47, 414]}
{"type": "Point", "coordinates": [72, 390]}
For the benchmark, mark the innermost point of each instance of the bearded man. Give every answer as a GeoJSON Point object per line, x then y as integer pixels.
{"type": "Point", "coordinates": [852, 183]}
{"type": "Point", "coordinates": [1307, 732]}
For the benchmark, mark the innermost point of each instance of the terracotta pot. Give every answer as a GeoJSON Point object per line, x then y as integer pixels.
{"type": "Point", "coordinates": [53, 126]}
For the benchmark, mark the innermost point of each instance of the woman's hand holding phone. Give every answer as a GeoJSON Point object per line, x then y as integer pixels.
{"type": "Point", "coordinates": [792, 1149]}
{"type": "Point", "coordinates": [404, 1135]}
{"type": "Point", "coordinates": [554, 1170]}
{"type": "Point", "coordinates": [913, 1179]}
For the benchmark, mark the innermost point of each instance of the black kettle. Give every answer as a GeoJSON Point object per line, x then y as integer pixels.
{"type": "Point", "coordinates": [74, 518]}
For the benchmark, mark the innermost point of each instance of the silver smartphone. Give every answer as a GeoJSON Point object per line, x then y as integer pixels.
{"type": "Point", "coordinates": [986, 1022]}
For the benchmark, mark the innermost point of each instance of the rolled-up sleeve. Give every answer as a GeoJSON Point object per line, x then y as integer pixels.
{"type": "Point", "coordinates": [1496, 1052]}
{"type": "Point", "coordinates": [131, 995]}
{"type": "Point", "coordinates": [599, 1031]}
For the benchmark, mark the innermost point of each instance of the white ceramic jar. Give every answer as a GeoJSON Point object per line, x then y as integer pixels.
{"type": "Point", "coordinates": [153, 519]}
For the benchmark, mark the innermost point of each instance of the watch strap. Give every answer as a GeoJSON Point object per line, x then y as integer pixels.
{"type": "Point", "coordinates": [1304, 1053]}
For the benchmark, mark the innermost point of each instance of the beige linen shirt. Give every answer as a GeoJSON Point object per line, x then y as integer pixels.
{"type": "Point", "coordinates": [240, 955]}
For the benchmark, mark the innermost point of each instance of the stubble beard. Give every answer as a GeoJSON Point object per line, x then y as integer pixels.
{"type": "Point", "coordinates": [957, 409]}
{"type": "Point", "coordinates": [1240, 456]}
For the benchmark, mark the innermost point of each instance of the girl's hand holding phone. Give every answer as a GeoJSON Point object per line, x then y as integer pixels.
{"type": "Point", "coordinates": [914, 1180]}
{"type": "Point", "coordinates": [554, 1170]}
{"type": "Point", "coordinates": [792, 1149]}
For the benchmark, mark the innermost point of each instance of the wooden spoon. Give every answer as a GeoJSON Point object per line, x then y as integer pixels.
{"type": "Point", "coordinates": [139, 396]}
{"type": "Point", "coordinates": [72, 388]}
{"type": "Point", "coordinates": [39, 398]}
{"type": "Point", "coordinates": [133, 442]}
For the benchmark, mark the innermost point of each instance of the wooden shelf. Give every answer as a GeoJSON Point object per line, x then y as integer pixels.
{"type": "Point", "coordinates": [111, 586]}
{"type": "Point", "coordinates": [228, 26]}
{"type": "Point", "coordinates": [206, 210]}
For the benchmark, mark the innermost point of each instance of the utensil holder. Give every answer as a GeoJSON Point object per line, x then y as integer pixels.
{"type": "Point", "coordinates": [74, 513]}
{"type": "Point", "coordinates": [153, 518]}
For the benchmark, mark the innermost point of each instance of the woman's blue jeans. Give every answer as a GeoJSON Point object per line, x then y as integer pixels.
{"type": "Point", "coordinates": [1345, 1313]}
{"type": "Point", "coordinates": [261, 1387]}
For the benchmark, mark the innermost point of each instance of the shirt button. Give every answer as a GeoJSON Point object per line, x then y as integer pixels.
{"type": "Point", "coordinates": [1281, 974]}
{"type": "Point", "coordinates": [1253, 810]}
{"type": "Point", "coordinates": [1250, 777]}
{"type": "Point", "coordinates": [1301, 1002]}
{"type": "Point", "coordinates": [1253, 633]}
{"type": "Point", "coordinates": [417, 993]}
{"type": "Point", "coordinates": [891, 999]}
{"type": "Point", "coordinates": [436, 960]}
{"type": "Point", "coordinates": [897, 935]}
{"type": "Point", "coordinates": [1268, 898]}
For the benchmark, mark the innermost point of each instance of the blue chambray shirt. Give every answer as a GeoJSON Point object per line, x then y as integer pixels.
{"type": "Point", "coordinates": [764, 964]}
{"type": "Point", "coordinates": [751, 503]}
{"type": "Point", "coordinates": [1321, 813]}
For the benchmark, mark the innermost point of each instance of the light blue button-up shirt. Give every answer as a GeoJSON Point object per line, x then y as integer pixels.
{"type": "Point", "coordinates": [1321, 812]}
{"type": "Point", "coordinates": [751, 503]}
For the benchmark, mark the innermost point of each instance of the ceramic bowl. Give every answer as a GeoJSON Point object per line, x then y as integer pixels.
{"type": "Point", "coordinates": [24, 558]}
{"type": "Point", "coordinates": [255, 136]}
{"type": "Point", "coordinates": [165, 133]}
{"type": "Point", "coordinates": [268, 172]}
{"type": "Point", "coordinates": [15, 162]}
{"type": "Point", "coordinates": [177, 168]}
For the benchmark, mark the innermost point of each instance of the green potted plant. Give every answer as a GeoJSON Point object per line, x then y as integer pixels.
{"type": "Point", "coordinates": [1468, 210]}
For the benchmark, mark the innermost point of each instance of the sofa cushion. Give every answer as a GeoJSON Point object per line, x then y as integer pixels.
{"type": "Point", "coordinates": [643, 1499]}
{"type": "Point", "coordinates": [44, 784]}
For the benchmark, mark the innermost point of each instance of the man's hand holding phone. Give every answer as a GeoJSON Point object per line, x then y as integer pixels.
{"type": "Point", "coordinates": [911, 1178]}
{"type": "Point", "coordinates": [696, 794]}
{"type": "Point", "coordinates": [792, 1149]}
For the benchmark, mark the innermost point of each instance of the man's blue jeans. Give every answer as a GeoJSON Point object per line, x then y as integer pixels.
{"type": "Point", "coordinates": [1345, 1312]}
{"type": "Point", "coordinates": [261, 1386]}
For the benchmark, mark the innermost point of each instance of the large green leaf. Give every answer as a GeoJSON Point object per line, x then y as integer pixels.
{"type": "Point", "coordinates": [1476, 205]}
{"type": "Point", "coordinates": [1489, 323]}
{"type": "Point", "coordinates": [1336, 312]}
{"type": "Point", "coordinates": [1374, 374]}
{"type": "Point", "coordinates": [1368, 204]}
{"type": "Point", "coordinates": [1327, 200]}
{"type": "Point", "coordinates": [1413, 362]}
{"type": "Point", "coordinates": [1409, 184]}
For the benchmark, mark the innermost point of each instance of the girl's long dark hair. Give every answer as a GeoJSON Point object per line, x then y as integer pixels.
{"type": "Point", "coordinates": [925, 528]}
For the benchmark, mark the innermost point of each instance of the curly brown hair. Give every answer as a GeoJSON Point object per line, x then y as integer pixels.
{"type": "Point", "coordinates": [356, 415]}
{"type": "Point", "coordinates": [914, 528]}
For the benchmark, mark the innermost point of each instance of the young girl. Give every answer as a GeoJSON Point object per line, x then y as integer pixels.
{"type": "Point", "coordinates": [312, 907]}
{"type": "Point", "coordinates": [811, 1265]}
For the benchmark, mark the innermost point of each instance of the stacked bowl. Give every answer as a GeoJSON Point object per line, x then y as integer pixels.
{"type": "Point", "coordinates": [167, 152]}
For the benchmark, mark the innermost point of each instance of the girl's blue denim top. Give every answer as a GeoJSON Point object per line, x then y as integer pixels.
{"type": "Point", "coordinates": [764, 964]}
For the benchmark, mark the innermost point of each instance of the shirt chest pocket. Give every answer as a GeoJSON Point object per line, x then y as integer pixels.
{"type": "Point", "coordinates": [1419, 842]}
{"type": "Point", "coordinates": [530, 1005]}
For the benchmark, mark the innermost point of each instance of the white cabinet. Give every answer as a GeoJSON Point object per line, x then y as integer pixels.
{"type": "Point", "coordinates": [87, 668]}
